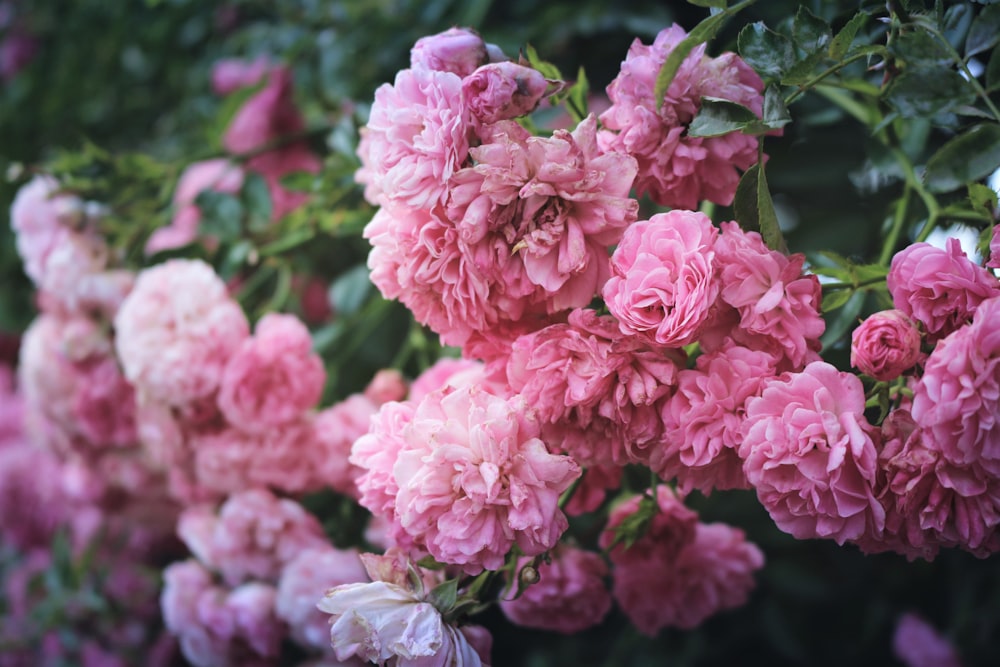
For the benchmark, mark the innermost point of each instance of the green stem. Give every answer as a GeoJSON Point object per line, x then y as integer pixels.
{"type": "Point", "coordinates": [957, 58]}
{"type": "Point", "coordinates": [833, 69]}
{"type": "Point", "coordinates": [892, 238]}
{"type": "Point", "coordinates": [832, 287]}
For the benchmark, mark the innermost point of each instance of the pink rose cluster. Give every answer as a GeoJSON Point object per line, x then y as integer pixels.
{"type": "Point", "coordinates": [260, 565]}
{"type": "Point", "coordinates": [680, 571]}
{"type": "Point", "coordinates": [674, 168]}
{"type": "Point", "coordinates": [463, 476]}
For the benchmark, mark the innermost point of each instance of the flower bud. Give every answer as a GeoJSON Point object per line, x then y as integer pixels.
{"type": "Point", "coordinates": [499, 91]}
{"type": "Point", "coordinates": [885, 345]}
{"type": "Point", "coordinates": [456, 50]}
{"type": "Point", "coordinates": [529, 575]}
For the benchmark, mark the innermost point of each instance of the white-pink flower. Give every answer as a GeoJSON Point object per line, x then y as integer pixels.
{"type": "Point", "coordinates": [176, 331]}
{"type": "Point", "coordinates": [663, 278]}
{"type": "Point", "coordinates": [676, 169]}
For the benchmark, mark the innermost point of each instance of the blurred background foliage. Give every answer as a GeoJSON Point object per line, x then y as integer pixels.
{"type": "Point", "coordinates": [117, 96]}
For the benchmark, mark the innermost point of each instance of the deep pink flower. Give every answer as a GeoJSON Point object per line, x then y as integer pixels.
{"type": "Point", "coordinates": [336, 428]}
{"type": "Point", "coordinates": [456, 50]}
{"type": "Point", "coordinates": [957, 400]}
{"type": "Point", "coordinates": [939, 288]}
{"type": "Point", "coordinates": [417, 136]}
{"type": "Point", "coordinates": [809, 452]}
{"type": "Point", "coordinates": [778, 306]}
{"type": "Point", "coordinates": [930, 503]}
{"type": "Point", "coordinates": [703, 418]}
{"type": "Point", "coordinates": [916, 643]}
{"type": "Point", "coordinates": [570, 595]}
{"type": "Point", "coordinates": [176, 331]}
{"type": "Point", "coordinates": [272, 378]}
{"type": "Point", "coordinates": [304, 580]}
{"type": "Point", "coordinates": [679, 572]}
{"type": "Point", "coordinates": [502, 91]}
{"type": "Point", "coordinates": [218, 175]}
{"type": "Point", "coordinates": [678, 170]}
{"type": "Point", "coordinates": [231, 74]}
{"type": "Point", "coordinates": [885, 345]}
{"type": "Point", "coordinates": [32, 501]}
{"type": "Point", "coordinates": [663, 278]}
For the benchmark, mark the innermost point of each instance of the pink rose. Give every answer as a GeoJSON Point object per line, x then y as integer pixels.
{"type": "Point", "coordinates": [501, 91]}
{"type": "Point", "coordinates": [570, 595]}
{"type": "Point", "coordinates": [994, 260]}
{"type": "Point", "coordinates": [885, 345]}
{"type": "Point", "coordinates": [231, 74]}
{"type": "Point", "coordinates": [663, 279]}
{"type": "Point", "coordinates": [456, 50]}
{"type": "Point", "coordinates": [917, 644]}
{"type": "Point", "coordinates": [938, 288]}
{"type": "Point", "coordinates": [809, 452]}
{"type": "Point", "coordinates": [273, 377]}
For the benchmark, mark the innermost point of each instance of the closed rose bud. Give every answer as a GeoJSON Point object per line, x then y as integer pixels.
{"type": "Point", "coordinates": [456, 50]}
{"type": "Point", "coordinates": [885, 345]}
{"type": "Point", "coordinates": [500, 91]}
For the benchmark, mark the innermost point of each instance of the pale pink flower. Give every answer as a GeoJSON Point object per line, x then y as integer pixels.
{"type": "Point", "coordinates": [281, 457]}
{"type": "Point", "coordinates": [391, 625]}
{"type": "Point", "coordinates": [779, 307]}
{"type": "Point", "coordinates": [570, 595]}
{"type": "Point", "coordinates": [502, 91]}
{"type": "Point", "coordinates": [253, 535]}
{"type": "Point", "coordinates": [885, 345]}
{"type": "Point", "coordinates": [417, 136]}
{"type": "Point", "coordinates": [678, 170]}
{"type": "Point", "coordinates": [663, 278]}
{"type": "Point", "coordinates": [386, 385]}
{"type": "Point", "coordinates": [456, 50]}
{"type": "Point", "coordinates": [217, 175]}
{"type": "Point", "coordinates": [465, 476]}
{"type": "Point", "coordinates": [75, 397]}
{"type": "Point", "coordinates": [335, 430]}
{"type": "Point", "coordinates": [450, 372]}
{"type": "Point", "coordinates": [916, 643]}
{"type": "Point", "coordinates": [304, 580]}
{"type": "Point", "coordinates": [537, 215]}
{"type": "Point", "coordinates": [809, 452]}
{"type": "Point", "coordinates": [217, 626]}
{"type": "Point", "coordinates": [956, 400]}
{"type": "Point", "coordinates": [939, 288]}
{"type": "Point", "coordinates": [273, 377]}
{"type": "Point", "coordinates": [702, 420]}
{"type": "Point", "coordinates": [176, 331]}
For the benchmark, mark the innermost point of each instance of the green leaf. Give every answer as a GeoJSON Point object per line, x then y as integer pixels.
{"type": "Point", "coordinates": [635, 525]}
{"type": "Point", "coordinates": [835, 299]}
{"type": "Point", "coordinates": [768, 52]}
{"type": "Point", "coordinates": [957, 20]}
{"type": "Point", "coordinates": [802, 71]}
{"type": "Point", "coordinates": [577, 96]}
{"type": "Point", "coordinates": [350, 290]}
{"type": "Point", "coordinates": [841, 42]}
{"type": "Point", "coordinates": [718, 116]}
{"type": "Point", "coordinates": [776, 113]}
{"type": "Point", "coordinates": [928, 91]}
{"type": "Point", "coordinates": [844, 320]}
{"type": "Point", "coordinates": [810, 32]}
{"type": "Point", "coordinates": [221, 214]}
{"type": "Point", "coordinates": [993, 71]}
{"type": "Point", "coordinates": [547, 69]}
{"type": "Point", "coordinates": [984, 32]}
{"type": "Point", "coordinates": [298, 181]}
{"type": "Point", "coordinates": [444, 596]}
{"type": "Point", "coordinates": [969, 157]}
{"type": "Point", "coordinates": [983, 198]}
{"type": "Point", "coordinates": [919, 48]}
{"type": "Point", "coordinates": [702, 32]}
{"type": "Point", "coordinates": [754, 208]}
{"type": "Point", "coordinates": [257, 198]}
